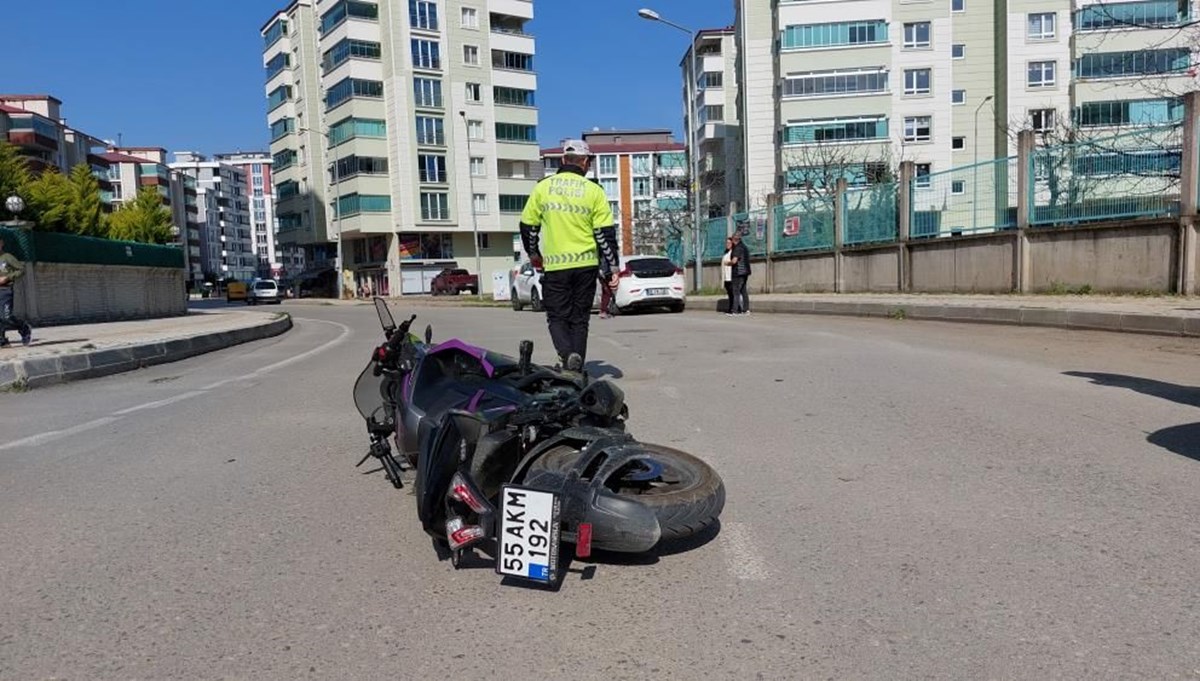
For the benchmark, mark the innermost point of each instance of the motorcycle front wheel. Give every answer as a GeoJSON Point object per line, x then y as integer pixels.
{"type": "Point", "coordinates": [685, 493]}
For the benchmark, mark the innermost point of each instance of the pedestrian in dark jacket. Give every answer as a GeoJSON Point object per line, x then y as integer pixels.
{"type": "Point", "coordinates": [11, 270]}
{"type": "Point", "coordinates": [739, 258]}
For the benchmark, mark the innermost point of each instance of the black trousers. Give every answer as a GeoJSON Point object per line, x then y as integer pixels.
{"type": "Point", "coordinates": [729, 296]}
{"type": "Point", "coordinates": [8, 321]}
{"type": "Point", "coordinates": [568, 300]}
{"type": "Point", "coordinates": [741, 299]}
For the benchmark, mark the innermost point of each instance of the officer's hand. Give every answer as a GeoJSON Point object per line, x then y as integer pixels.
{"type": "Point", "coordinates": [614, 281]}
{"type": "Point", "coordinates": [536, 261]}
{"type": "Point", "coordinates": [3, 281]}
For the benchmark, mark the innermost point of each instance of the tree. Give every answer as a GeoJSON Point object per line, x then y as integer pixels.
{"type": "Point", "coordinates": [48, 198]}
{"type": "Point", "coordinates": [145, 219]}
{"type": "Point", "coordinates": [84, 209]}
{"type": "Point", "coordinates": [14, 172]}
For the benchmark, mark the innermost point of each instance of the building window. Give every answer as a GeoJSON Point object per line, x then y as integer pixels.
{"type": "Point", "coordinates": [471, 55]}
{"type": "Point", "coordinates": [353, 204]}
{"type": "Point", "coordinates": [641, 186]}
{"type": "Point", "coordinates": [712, 113]}
{"type": "Point", "coordinates": [918, 128]}
{"type": "Point", "coordinates": [426, 54]}
{"type": "Point", "coordinates": [482, 240]}
{"type": "Point", "coordinates": [427, 92]}
{"type": "Point", "coordinates": [350, 49]}
{"type": "Point", "coordinates": [352, 87]}
{"type": "Point", "coordinates": [835, 130]}
{"type": "Point", "coordinates": [475, 130]}
{"type": "Point", "coordinates": [351, 166]}
{"type": "Point", "coordinates": [1152, 13]}
{"type": "Point", "coordinates": [1041, 73]}
{"type": "Point", "coordinates": [958, 5]}
{"type": "Point", "coordinates": [435, 206]}
{"type": "Point", "coordinates": [430, 131]}
{"type": "Point", "coordinates": [512, 203]}
{"type": "Point", "coordinates": [282, 128]}
{"type": "Point", "coordinates": [514, 132]}
{"type": "Point", "coordinates": [608, 165]}
{"type": "Point", "coordinates": [834, 34]}
{"type": "Point", "coordinates": [431, 168]}
{"type": "Point", "coordinates": [609, 185]}
{"type": "Point", "coordinates": [958, 187]}
{"type": "Point", "coordinates": [958, 51]}
{"type": "Point", "coordinates": [1129, 112]}
{"type": "Point", "coordinates": [512, 61]}
{"type": "Point", "coordinates": [921, 176]}
{"type": "Point", "coordinates": [615, 207]}
{"type": "Point", "coordinates": [277, 64]}
{"type": "Point", "coordinates": [958, 96]}
{"type": "Point", "coordinates": [478, 166]}
{"type": "Point", "coordinates": [512, 96]}
{"type": "Point", "coordinates": [276, 31]}
{"type": "Point", "coordinates": [470, 17]}
{"type": "Point", "coordinates": [958, 143]}
{"type": "Point", "coordinates": [423, 14]}
{"type": "Point", "coordinates": [833, 83]}
{"type": "Point", "coordinates": [474, 92]}
{"type": "Point", "coordinates": [278, 96]}
{"type": "Point", "coordinates": [640, 164]}
{"type": "Point", "coordinates": [1041, 26]}
{"type": "Point", "coordinates": [916, 35]}
{"type": "Point", "coordinates": [711, 79]}
{"type": "Point", "coordinates": [1041, 120]}
{"type": "Point", "coordinates": [916, 81]}
{"type": "Point", "coordinates": [1139, 63]}
{"type": "Point", "coordinates": [480, 203]}
{"type": "Point", "coordinates": [350, 128]}
{"type": "Point", "coordinates": [344, 9]}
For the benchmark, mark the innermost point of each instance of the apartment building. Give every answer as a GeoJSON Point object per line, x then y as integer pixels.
{"type": "Point", "coordinates": [34, 124]}
{"type": "Point", "coordinates": [712, 119]}
{"type": "Point", "coordinates": [132, 169]}
{"type": "Point", "coordinates": [644, 173]}
{"type": "Point", "coordinates": [425, 129]}
{"type": "Point", "coordinates": [275, 260]}
{"type": "Point", "coordinates": [223, 216]}
{"type": "Point", "coordinates": [944, 84]}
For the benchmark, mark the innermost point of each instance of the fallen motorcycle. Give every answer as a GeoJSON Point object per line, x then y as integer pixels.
{"type": "Point", "coordinates": [522, 458]}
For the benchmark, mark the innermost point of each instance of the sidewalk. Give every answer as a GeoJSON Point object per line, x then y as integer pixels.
{"type": "Point", "coordinates": [1164, 315]}
{"type": "Point", "coordinates": [68, 353]}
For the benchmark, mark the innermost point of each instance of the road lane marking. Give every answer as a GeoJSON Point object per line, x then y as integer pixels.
{"type": "Point", "coordinates": [745, 560]}
{"type": "Point", "coordinates": [50, 436]}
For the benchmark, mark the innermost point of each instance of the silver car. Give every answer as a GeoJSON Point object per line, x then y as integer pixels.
{"type": "Point", "coordinates": [263, 291]}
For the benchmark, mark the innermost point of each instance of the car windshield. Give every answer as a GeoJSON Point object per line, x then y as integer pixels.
{"type": "Point", "coordinates": [650, 265]}
{"type": "Point", "coordinates": [265, 286]}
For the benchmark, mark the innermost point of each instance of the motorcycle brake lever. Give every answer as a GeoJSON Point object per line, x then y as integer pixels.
{"type": "Point", "coordinates": [363, 460]}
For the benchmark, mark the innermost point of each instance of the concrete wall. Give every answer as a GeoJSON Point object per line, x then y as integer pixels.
{"type": "Point", "coordinates": [803, 273]}
{"type": "Point", "coordinates": [1120, 259]}
{"type": "Point", "coordinates": [876, 269]}
{"type": "Point", "coordinates": [975, 264]}
{"type": "Point", "coordinates": [61, 293]}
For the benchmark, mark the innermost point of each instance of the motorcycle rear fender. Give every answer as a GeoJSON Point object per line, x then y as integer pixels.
{"type": "Point", "coordinates": [618, 524]}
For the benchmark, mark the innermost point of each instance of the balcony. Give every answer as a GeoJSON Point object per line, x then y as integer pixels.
{"type": "Point", "coordinates": [522, 9]}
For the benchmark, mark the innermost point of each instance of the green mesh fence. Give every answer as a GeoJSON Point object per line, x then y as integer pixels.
{"type": "Point", "coordinates": [971, 199]}
{"type": "Point", "coordinates": [753, 227]}
{"type": "Point", "coordinates": [713, 237]}
{"type": "Point", "coordinates": [869, 215]}
{"type": "Point", "coordinates": [1129, 175]}
{"type": "Point", "coordinates": [805, 225]}
{"type": "Point", "coordinates": [35, 246]}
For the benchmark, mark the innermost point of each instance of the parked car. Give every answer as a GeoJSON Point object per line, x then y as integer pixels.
{"type": "Point", "coordinates": [525, 284]}
{"type": "Point", "coordinates": [454, 282]}
{"type": "Point", "coordinates": [235, 290]}
{"type": "Point", "coordinates": [650, 281]}
{"type": "Point", "coordinates": [263, 291]}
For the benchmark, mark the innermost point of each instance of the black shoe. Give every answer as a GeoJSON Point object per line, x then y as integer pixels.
{"type": "Point", "coordinates": [574, 362]}
{"type": "Point", "coordinates": [27, 337]}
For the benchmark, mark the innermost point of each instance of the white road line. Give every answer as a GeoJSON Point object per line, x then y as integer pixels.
{"type": "Point", "coordinates": [744, 558]}
{"type": "Point", "coordinates": [49, 436]}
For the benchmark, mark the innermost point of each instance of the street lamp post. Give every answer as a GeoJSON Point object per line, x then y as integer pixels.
{"type": "Point", "coordinates": [474, 217]}
{"type": "Point", "coordinates": [975, 171]}
{"type": "Point", "coordinates": [690, 85]}
{"type": "Point", "coordinates": [15, 205]}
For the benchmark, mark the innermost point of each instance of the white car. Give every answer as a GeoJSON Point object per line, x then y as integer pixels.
{"type": "Point", "coordinates": [263, 291]}
{"type": "Point", "coordinates": [650, 281]}
{"type": "Point", "coordinates": [525, 284]}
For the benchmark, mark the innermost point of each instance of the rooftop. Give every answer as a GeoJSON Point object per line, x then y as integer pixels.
{"type": "Point", "coordinates": [623, 148]}
{"type": "Point", "coordinates": [117, 157]}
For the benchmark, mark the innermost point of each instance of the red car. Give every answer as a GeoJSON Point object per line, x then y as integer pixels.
{"type": "Point", "coordinates": [454, 282]}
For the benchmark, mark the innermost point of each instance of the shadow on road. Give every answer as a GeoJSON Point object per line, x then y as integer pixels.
{"type": "Point", "coordinates": [1183, 440]}
{"type": "Point", "coordinates": [602, 369]}
{"type": "Point", "coordinates": [1168, 391]}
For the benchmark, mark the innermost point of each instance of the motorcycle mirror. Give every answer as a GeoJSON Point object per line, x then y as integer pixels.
{"type": "Point", "coordinates": [428, 334]}
{"type": "Point", "coordinates": [385, 315]}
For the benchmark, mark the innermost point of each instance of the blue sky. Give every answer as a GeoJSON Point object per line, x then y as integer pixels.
{"type": "Point", "coordinates": [187, 75]}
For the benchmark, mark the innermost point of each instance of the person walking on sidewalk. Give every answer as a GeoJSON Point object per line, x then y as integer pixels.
{"type": "Point", "coordinates": [727, 274]}
{"type": "Point", "coordinates": [11, 270]}
{"type": "Point", "coordinates": [740, 259]}
{"type": "Point", "coordinates": [568, 230]}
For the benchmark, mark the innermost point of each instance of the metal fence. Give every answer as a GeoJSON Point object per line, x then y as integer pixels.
{"type": "Point", "coordinates": [805, 225]}
{"type": "Point", "coordinates": [869, 214]}
{"type": "Point", "coordinates": [969, 200]}
{"type": "Point", "coordinates": [1129, 175]}
{"type": "Point", "coordinates": [753, 227]}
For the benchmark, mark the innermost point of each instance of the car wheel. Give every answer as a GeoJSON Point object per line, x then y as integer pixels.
{"type": "Point", "coordinates": [516, 301]}
{"type": "Point", "coordinates": [677, 308]}
{"type": "Point", "coordinates": [535, 300]}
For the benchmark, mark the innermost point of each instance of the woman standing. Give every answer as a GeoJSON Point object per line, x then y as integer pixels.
{"type": "Point", "coordinates": [727, 275]}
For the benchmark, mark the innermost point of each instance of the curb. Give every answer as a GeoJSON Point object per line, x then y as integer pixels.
{"type": "Point", "coordinates": [1123, 322]}
{"type": "Point", "coordinates": [42, 371]}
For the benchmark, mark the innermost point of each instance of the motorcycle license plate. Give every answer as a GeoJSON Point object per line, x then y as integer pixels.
{"type": "Point", "coordinates": [528, 537]}
{"type": "Point", "coordinates": [657, 292]}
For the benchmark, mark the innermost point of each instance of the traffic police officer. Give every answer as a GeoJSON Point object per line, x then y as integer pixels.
{"type": "Point", "coordinates": [567, 230]}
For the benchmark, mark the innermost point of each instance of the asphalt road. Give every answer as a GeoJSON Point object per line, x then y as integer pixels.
{"type": "Point", "coordinates": [905, 500]}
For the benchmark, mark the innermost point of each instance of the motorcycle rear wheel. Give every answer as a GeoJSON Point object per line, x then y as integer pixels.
{"type": "Point", "coordinates": [686, 494]}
